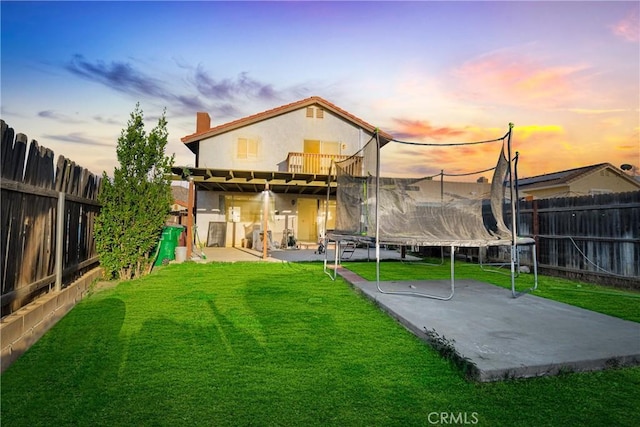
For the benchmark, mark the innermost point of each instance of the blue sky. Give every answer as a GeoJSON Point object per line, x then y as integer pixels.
{"type": "Point", "coordinates": [566, 73]}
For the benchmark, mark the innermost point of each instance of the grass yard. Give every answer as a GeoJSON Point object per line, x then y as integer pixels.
{"type": "Point", "coordinates": [269, 344]}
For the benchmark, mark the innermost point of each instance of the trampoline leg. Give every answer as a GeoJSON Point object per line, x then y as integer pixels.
{"type": "Point", "coordinates": [453, 271]}
{"type": "Point", "coordinates": [489, 270]}
{"type": "Point", "coordinates": [513, 279]}
{"type": "Point", "coordinates": [420, 294]}
{"type": "Point", "coordinates": [535, 267]}
{"type": "Point", "coordinates": [515, 293]}
{"type": "Point", "coordinates": [335, 262]}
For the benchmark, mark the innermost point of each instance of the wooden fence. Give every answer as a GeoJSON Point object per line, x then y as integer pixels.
{"type": "Point", "coordinates": [47, 220]}
{"type": "Point", "coordinates": [596, 238]}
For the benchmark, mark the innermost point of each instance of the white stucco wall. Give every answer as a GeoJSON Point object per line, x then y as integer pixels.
{"type": "Point", "coordinates": [277, 137]}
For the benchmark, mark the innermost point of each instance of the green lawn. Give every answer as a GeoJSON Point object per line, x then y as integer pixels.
{"type": "Point", "coordinates": [269, 344]}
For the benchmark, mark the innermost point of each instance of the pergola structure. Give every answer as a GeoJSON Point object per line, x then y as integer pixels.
{"type": "Point", "coordinates": [242, 181]}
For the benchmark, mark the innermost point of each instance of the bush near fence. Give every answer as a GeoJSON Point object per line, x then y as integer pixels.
{"type": "Point", "coordinates": [47, 220]}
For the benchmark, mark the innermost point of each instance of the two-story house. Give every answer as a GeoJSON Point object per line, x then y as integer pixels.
{"type": "Point", "coordinates": [277, 161]}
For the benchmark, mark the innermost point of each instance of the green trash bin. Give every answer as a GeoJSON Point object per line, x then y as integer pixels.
{"type": "Point", "coordinates": [167, 244]}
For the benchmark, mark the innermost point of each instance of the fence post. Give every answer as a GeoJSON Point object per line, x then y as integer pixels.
{"type": "Point", "coordinates": [59, 240]}
{"type": "Point", "coordinates": [190, 219]}
{"type": "Point", "coordinates": [535, 222]}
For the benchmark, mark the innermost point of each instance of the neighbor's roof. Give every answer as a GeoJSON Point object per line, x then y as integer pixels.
{"type": "Point", "coordinates": [568, 176]}
{"type": "Point", "coordinates": [314, 100]}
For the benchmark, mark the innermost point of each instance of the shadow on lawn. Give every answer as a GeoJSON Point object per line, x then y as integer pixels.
{"type": "Point", "coordinates": [79, 359]}
{"type": "Point", "coordinates": [93, 337]}
{"type": "Point", "coordinates": [98, 351]}
{"type": "Point", "coordinates": [168, 345]}
{"type": "Point", "coordinates": [173, 366]}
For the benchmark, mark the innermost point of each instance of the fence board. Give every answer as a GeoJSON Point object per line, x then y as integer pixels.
{"type": "Point", "coordinates": [597, 235]}
{"type": "Point", "coordinates": [29, 212]}
{"type": "Point", "coordinates": [6, 140]}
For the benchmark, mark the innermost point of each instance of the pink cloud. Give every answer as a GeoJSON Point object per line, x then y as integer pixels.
{"type": "Point", "coordinates": [515, 79]}
{"type": "Point", "coordinates": [628, 28]}
{"type": "Point", "coordinates": [421, 129]}
{"type": "Point", "coordinates": [427, 160]}
{"type": "Point", "coordinates": [543, 148]}
{"type": "Point", "coordinates": [403, 160]}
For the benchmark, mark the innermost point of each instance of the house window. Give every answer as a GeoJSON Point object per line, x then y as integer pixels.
{"type": "Point", "coordinates": [248, 209]}
{"type": "Point", "coordinates": [312, 146]}
{"type": "Point", "coordinates": [319, 112]}
{"type": "Point", "coordinates": [318, 155]}
{"type": "Point", "coordinates": [247, 148]}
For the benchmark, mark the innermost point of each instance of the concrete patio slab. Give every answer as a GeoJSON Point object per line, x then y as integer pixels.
{"type": "Point", "coordinates": [359, 254]}
{"type": "Point", "coordinates": [293, 255]}
{"type": "Point", "coordinates": [503, 337]}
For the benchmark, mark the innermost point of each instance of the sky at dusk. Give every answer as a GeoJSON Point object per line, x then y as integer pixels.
{"type": "Point", "coordinates": [567, 74]}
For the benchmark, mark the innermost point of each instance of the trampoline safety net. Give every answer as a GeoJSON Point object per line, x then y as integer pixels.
{"type": "Point", "coordinates": [426, 194]}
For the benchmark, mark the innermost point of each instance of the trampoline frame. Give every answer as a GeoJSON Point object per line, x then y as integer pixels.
{"type": "Point", "coordinates": [515, 241]}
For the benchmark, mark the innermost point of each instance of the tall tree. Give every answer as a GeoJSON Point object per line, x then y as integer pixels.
{"type": "Point", "coordinates": [136, 202]}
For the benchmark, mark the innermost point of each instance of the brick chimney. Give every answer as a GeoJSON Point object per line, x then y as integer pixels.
{"type": "Point", "coordinates": [203, 122]}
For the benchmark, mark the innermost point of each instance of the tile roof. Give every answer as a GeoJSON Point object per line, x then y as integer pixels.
{"type": "Point", "coordinates": [314, 100]}
{"type": "Point", "coordinates": [562, 177]}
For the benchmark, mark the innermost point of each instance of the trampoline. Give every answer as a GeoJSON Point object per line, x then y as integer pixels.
{"type": "Point", "coordinates": [394, 195]}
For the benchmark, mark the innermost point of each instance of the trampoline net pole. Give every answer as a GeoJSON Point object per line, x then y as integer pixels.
{"type": "Point", "coordinates": [377, 193]}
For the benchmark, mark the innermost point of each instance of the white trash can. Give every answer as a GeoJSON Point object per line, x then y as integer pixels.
{"type": "Point", "coordinates": [181, 253]}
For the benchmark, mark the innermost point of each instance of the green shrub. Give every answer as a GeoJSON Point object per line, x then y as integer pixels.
{"type": "Point", "coordinates": [136, 201]}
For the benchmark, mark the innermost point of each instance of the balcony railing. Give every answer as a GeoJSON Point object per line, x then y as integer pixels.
{"type": "Point", "coordinates": [319, 163]}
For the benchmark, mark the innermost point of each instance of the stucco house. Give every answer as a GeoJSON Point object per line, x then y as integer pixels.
{"type": "Point", "coordinates": [286, 150]}
{"type": "Point", "coordinates": [588, 180]}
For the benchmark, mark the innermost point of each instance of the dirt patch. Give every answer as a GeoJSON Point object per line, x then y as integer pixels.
{"type": "Point", "coordinates": [101, 285]}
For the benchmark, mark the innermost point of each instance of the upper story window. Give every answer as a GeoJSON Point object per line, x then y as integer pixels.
{"type": "Point", "coordinates": [317, 112]}
{"type": "Point", "coordinates": [247, 148]}
{"type": "Point", "coordinates": [312, 146]}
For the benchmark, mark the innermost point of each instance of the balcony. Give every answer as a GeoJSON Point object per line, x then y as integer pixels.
{"type": "Point", "coordinates": [320, 163]}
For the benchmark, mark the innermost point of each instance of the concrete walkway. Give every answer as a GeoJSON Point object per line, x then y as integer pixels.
{"type": "Point", "coordinates": [503, 337]}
